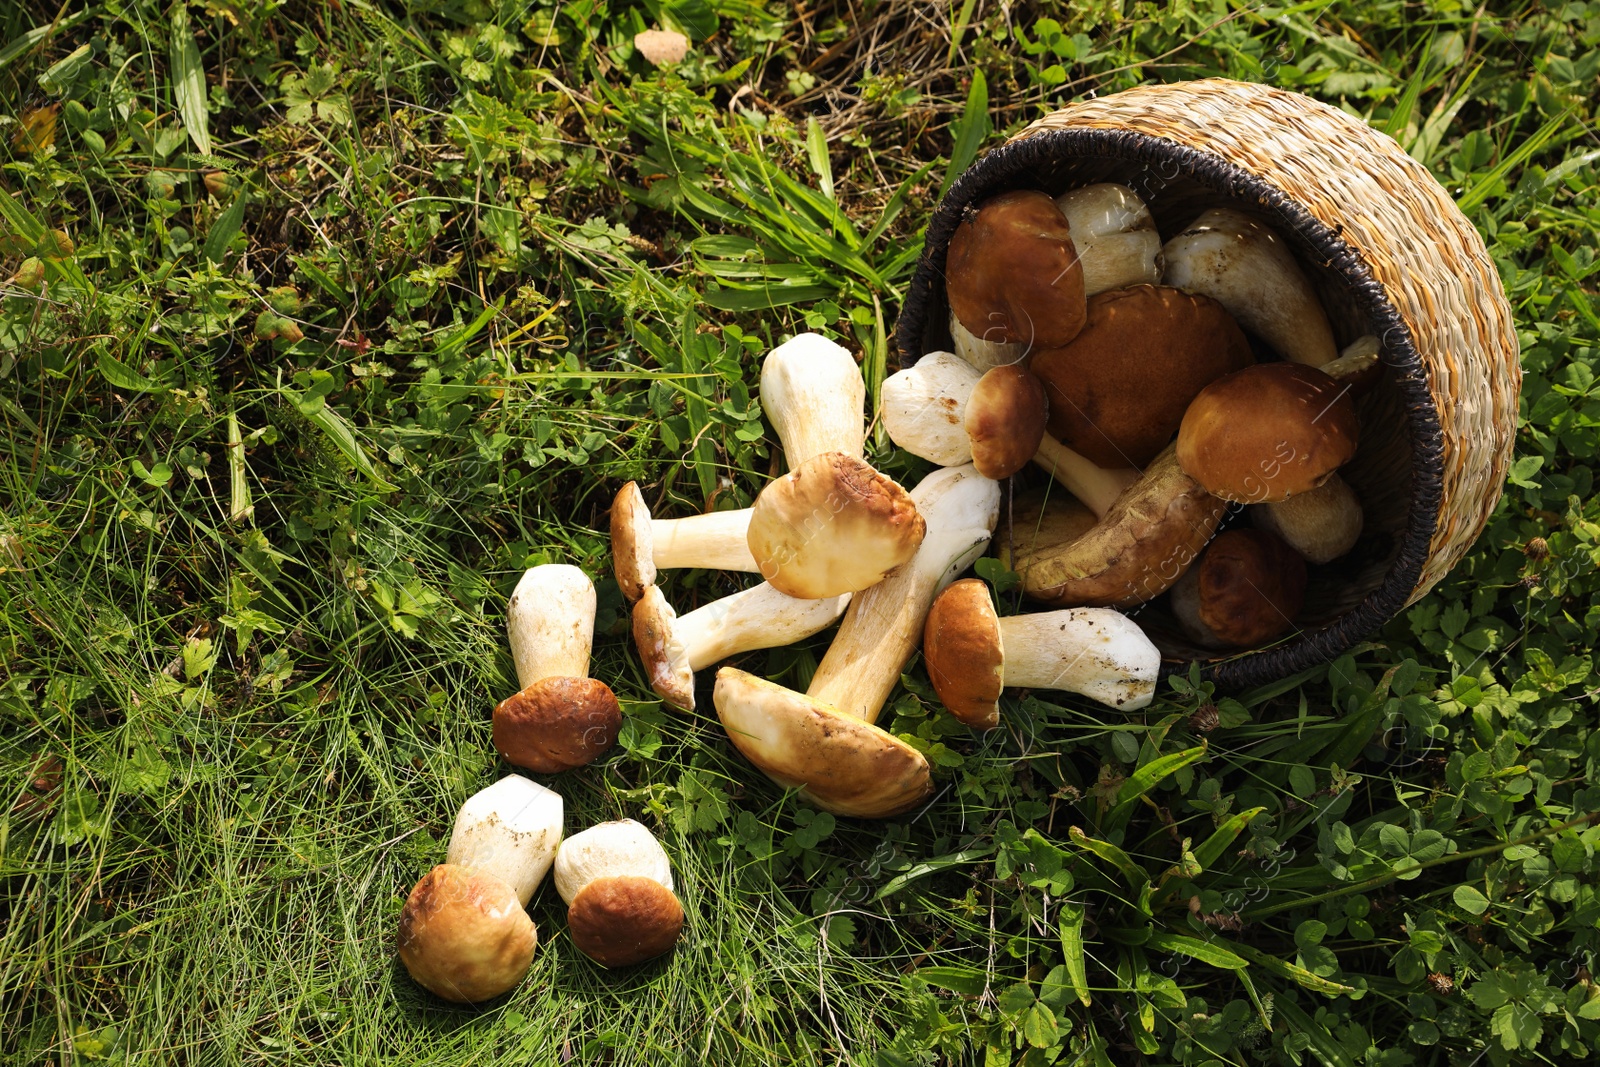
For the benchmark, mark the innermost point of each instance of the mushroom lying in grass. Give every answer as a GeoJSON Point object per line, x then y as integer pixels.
{"type": "Point", "coordinates": [1119, 390]}
{"type": "Point", "coordinates": [838, 762]}
{"type": "Point", "coordinates": [1245, 591]}
{"type": "Point", "coordinates": [948, 413]}
{"type": "Point", "coordinates": [463, 932]}
{"type": "Point", "coordinates": [1143, 543]}
{"type": "Point", "coordinates": [561, 718]}
{"type": "Point", "coordinates": [1012, 273]}
{"type": "Point", "coordinates": [1267, 432]}
{"type": "Point", "coordinates": [813, 395]}
{"type": "Point", "coordinates": [617, 883]}
{"type": "Point", "coordinates": [1320, 524]}
{"type": "Point", "coordinates": [832, 525]}
{"type": "Point", "coordinates": [972, 654]}
{"type": "Point", "coordinates": [1114, 235]}
{"type": "Point", "coordinates": [673, 647]}
{"type": "Point", "coordinates": [883, 625]}
{"type": "Point", "coordinates": [1230, 257]}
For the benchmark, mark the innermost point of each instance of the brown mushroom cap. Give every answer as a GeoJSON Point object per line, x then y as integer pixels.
{"type": "Point", "coordinates": [1267, 432]}
{"type": "Point", "coordinates": [1013, 274]}
{"type": "Point", "coordinates": [1005, 420]}
{"type": "Point", "coordinates": [632, 551]}
{"type": "Point", "coordinates": [557, 724]}
{"type": "Point", "coordinates": [1245, 591]}
{"type": "Point", "coordinates": [962, 649]}
{"type": "Point", "coordinates": [1118, 392]}
{"type": "Point", "coordinates": [624, 920]}
{"type": "Point", "coordinates": [665, 662]}
{"type": "Point", "coordinates": [464, 935]}
{"type": "Point", "coordinates": [832, 525]}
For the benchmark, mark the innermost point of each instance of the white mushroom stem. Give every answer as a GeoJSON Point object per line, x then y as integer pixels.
{"type": "Point", "coordinates": [1358, 357]}
{"type": "Point", "coordinates": [924, 410]}
{"type": "Point", "coordinates": [510, 830]}
{"type": "Point", "coordinates": [982, 354]}
{"type": "Point", "coordinates": [1097, 652]}
{"type": "Point", "coordinates": [1114, 235]}
{"type": "Point", "coordinates": [883, 624]}
{"type": "Point", "coordinates": [814, 396]}
{"type": "Point", "coordinates": [674, 646]}
{"type": "Point", "coordinates": [1244, 266]}
{"type": "Point", "coordinates": [620, 849]}
{"type": "Point", "coordinates": [550, 623]}
{"type": "Point", "coordinates": [712, 541]}
{"type": "Point", "coordinates": [1321, 524]}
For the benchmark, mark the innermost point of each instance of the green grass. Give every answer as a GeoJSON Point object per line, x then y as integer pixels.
{"type": "Point", "coordinates": [257, 543]}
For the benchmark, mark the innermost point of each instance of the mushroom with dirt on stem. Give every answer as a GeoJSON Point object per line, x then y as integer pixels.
{"type": "Point", "coordinates": [972, 654]}
{"type": "Point", "coordinates": [1247, 268]}
{"type": "Point", "coordinates": [617, 882]}
{"type": "Point", "coordinates": [560, 718]}
{"type": "Point", "coordinates": [883, 625]}
{"type": "Point", "coordinates": [674, 646]}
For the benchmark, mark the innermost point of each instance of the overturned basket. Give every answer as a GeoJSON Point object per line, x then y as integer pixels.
{"type": "Point", "coordinates": [1389, 253]}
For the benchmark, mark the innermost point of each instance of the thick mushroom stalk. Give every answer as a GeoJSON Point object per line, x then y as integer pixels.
{"type": "Point", "coordinates": [464, 935]}
{"type": "Point", "coordinates": [1321, 524]}
{"type": "Point", "coordinates": [982, 353]}
{"type": "Point", "coordinates": [928, 410]}
{"type": "Point", "coordinates": [560, 718]}
{"type": "Point", "coordinates": [838, 762]}
{"type": "Point", "coordinates": [883, 625]}
{"type": "Point", "coordinates": [1142, 545]}
{"type": "Point", "coordinates": [617, 884]}
{"type": "Point", "coordinates": [813, 394]}
{"type": "Point", "coordinates": [642, 545]}
{"type": "Point", "coordinates": [510, 830]}
{"type": "Point", "coordinates": [972, 654]}
{"type": "Point", "coordinates": [1244, 266]}
{"type": "Point", "coordinates": [674, 646]}
{"type": "Point", "coordinates": [1115, 236]}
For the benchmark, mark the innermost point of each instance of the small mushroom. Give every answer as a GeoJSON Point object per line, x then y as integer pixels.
{"type": "Point", "coordinates": [1012, 273]}
{"type": "Point", "coordinates": [511, 830]}
{"type": "Point", "coordinates": [838, 762]}
{"type": "Point", "coordinates": [1143, 543]}
{"type": "Point", "coordinates": [832, 525]}
{"type": "Point", "coordinates": [883, 625]}
{"type": "Point", "coordinates": [971, 654]}
{"type": "Point", "coordinates": [561, 718]}
{"type": "Point", "coordinates": [947, 413]}
{"type": "Point", "coordinates": [673, 647]}
{"type": "Point", "coordinates": [1245, 591]}
{"type": "Point", "coordinates": [1267, 432]}
{"type": "Point", "coordinates": [1115, 236]}
{"type": "Point", "coordinates": [1119, 390]}
{"type": "Point", "coordinates": [814, 396]}
{"type": "Point", "coordinates": [464, 936]}
{"type": "Point", "coordinates": [1230, 257]}
{"type": "Point", "coordinates": [617, 882]}
{"type": "Point", "coordinates": [1320, 524]}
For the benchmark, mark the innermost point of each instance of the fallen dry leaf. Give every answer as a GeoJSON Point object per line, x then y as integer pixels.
{"type": "Point", "coordinates": [661, 47]}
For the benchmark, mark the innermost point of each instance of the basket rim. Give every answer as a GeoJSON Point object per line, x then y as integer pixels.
{"type": "Point", "coordinates": [999, 168]}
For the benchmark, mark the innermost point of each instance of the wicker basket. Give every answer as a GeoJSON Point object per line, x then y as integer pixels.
{"type": "Point", "coordinates": [1389, 253]}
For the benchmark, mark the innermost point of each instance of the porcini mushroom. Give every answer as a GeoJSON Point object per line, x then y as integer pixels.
{"type": "Point", "coordinates": [1144, 543]}
{"type": "Point", "coordinates": [972, 654]}
{"type": "Point", "coordinates": [1119, 389]}
{"type": "Point", "coordinates": [561, 718]}
{"type": "Point", "coordinates": [983, 352]}
{"type": "Point", "coordinates": [883, 625]}
{"type": "Point", "coordinates": [813, 395]}
{"type": "Point", "coordinates": [1239, 262]}
{"type": "Point", "coordinates": [832, 525]}
{"type": "Point", "coordinates": [617, 882]}
{"type": "Point", "coordinates": [673, 647]}
{"type": "Point", "coordinates": [1359, 365]}
{"type": "Point", "coordinates": [1012, 273]}
{"type": "Point", "coordinates": [838, 762]}
{"type": "Point", "coordinates": [1267, 432]}
{"type": "Point", "coordinates": [464, 935]}
{"type": "Point", "coordinates": [510, 830]}
{"type": "Point", "coordinates": [1038, 525]}
{"type": "Point", "coordinates": [1114, 235]}
{"type": "Point", "coordinates": [1320, 524]}
{"type": "Point", "coordinates": [947, 413]}
{"type": "Point", "coordinates": [1245, 591]}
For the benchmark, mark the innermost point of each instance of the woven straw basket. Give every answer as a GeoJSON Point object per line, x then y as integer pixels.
{"type": "Point", "coordinates": [1389, 253]}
